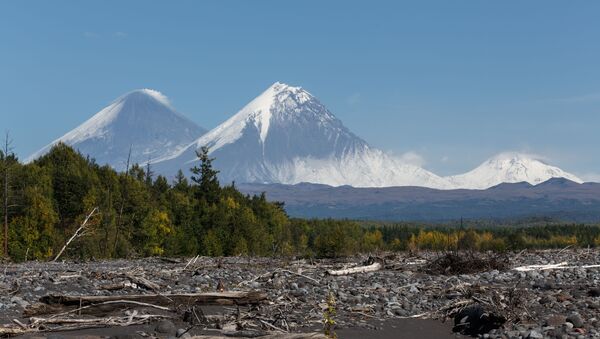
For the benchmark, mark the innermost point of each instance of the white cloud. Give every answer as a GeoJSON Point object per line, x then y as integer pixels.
{"type": "Point", "coordinates": [120, 35]}
{"type": "Point", "coordinates": [412, 158]}
{"type": "Point", "coordinates": [526, 154]}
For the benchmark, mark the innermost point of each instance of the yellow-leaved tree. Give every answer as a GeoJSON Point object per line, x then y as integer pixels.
{"type": "Point", "coordinates": [156, 227]}
{"type": "Point", "coordinates": [31, 233]}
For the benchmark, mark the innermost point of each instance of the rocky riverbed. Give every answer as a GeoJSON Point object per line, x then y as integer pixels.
{"type": "Point", "coordinates": [559, 298]}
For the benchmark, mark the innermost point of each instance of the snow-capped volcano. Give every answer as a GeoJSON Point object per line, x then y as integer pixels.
{"type": "Point", "coordinates": [143, 120]}
{"type": "Point", "coordinates": [286, 135]}
{"type": "Point", "coordinates": [509, 168]}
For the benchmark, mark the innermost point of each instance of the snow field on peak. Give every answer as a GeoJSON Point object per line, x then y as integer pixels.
{"type": "Point", "coordinates": [142, 120]}
{"type": "Point", "coordinates": [509, 167]}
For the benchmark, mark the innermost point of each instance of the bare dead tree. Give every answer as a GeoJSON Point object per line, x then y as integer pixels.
{"type": "Point", "coordinates": [7, 149]}
{"type": "Point", "coordinates": [77, 233]}
{"type": "Point", "coordinates": [149, 173]}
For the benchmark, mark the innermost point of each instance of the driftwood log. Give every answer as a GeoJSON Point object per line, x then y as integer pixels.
{"type": "Point", "coordinates": [12, 331]}
{"type": "Point", "coordinates": [64, 303]}
{"type": "Point", "coordinates": [360, 269]}
{"type": "Point", "coordinates": [56, 323]}
{"type": "Point", "coordinates": [209, 298]}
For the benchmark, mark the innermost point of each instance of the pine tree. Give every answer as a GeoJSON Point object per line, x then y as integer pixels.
{"type": "Point", "coordinates": [180, 183]}
{"type": "Point", "coordinates": [206, 177]}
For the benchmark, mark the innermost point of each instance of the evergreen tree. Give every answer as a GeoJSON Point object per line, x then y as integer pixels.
{"type": "Point", "coordinates": [206, 177]}
{"type": "Point", "coordinates": [180, 183]}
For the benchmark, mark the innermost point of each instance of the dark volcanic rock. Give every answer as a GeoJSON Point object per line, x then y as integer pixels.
{"type": "Point", "coordinates": [576, 320]}
{"type": "Point", "coordinates": [165, 327]}
{"type": "Point", "coordinates": [473, 320]}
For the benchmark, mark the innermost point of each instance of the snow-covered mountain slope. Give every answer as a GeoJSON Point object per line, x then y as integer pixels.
{"type": "Point", "coordinates": [509, 168]}
{"type": "Point", "coordinates": [286, 135]}
{"type": "Point", "coordinates": [143, 120]}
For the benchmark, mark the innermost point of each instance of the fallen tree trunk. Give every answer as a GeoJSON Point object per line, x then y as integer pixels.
{"type": "Point", "coordinates": [210, 298]}
{"type": "Point", "coordinates": [55, 323]}
{"type": "Point", "coordinates": [64, 303]}
{"type": "Point", "coordinates": [360, 269]}
{"type": "Point", "coordinates": [559, 266]}
{"type": "Point", "coordinates": [12, 331]}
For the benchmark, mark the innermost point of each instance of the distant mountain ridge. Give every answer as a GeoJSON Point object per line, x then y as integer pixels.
{"type": "Point", "coordinates": [557, 198]}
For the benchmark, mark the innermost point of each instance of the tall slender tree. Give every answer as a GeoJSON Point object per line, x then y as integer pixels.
{"type": "Point", "coordinates": [7, 149]}
{"type": "Point", "coordinates": [149, 173]}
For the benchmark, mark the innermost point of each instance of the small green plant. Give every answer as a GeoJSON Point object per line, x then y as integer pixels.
{"type": "Point", "coordinates": [329, 317]}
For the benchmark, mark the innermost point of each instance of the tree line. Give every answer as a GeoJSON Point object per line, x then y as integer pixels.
{"type": "Point", "coordinates": [141, 214]}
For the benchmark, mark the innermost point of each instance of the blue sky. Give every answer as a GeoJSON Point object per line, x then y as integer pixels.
{"type": "Point", "coordinates": [451, 81]}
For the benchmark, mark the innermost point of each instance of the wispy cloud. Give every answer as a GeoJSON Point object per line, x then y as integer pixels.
{"type": "Point", "coordinates": [590, 97]}
{"type": "Point", "coordinates": [90, 35]}
{"type": "Point", "coordinates": [524, 153]}
{"type": "Point", "coordinates": [120, 35]}
{"type": "Point", "coordinates": [412, 158]}
{"type": "Point", "coordinates": [590, 177]}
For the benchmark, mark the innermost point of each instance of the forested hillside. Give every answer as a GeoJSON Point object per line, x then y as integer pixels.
{"type": "Point", "coordinates": [140, 214]}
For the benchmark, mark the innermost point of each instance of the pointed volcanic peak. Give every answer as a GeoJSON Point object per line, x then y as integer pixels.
{"type": "Point", "coordinates": [279, 107]}
{"type": "Point", "coordinates": [143, 120]}
{"type": "Point", "coordinates": [510, 167]}
{"type": "Point", "coordinates": [286, 135]}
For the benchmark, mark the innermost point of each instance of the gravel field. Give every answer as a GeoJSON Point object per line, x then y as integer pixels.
{"type": "Point", "coordinates": [558, 299]}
